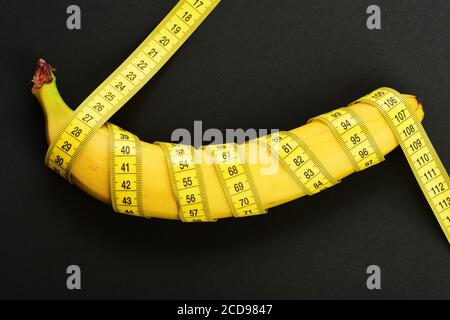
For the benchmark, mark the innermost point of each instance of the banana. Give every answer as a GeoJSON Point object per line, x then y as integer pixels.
{"type": "Point", "coordinates": [91, 171]}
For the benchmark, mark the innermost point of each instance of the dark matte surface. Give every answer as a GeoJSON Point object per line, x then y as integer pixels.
{"type": "Point", "coordinates": [253, 64]}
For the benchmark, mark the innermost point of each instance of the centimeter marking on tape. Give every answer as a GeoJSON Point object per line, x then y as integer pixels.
{"type": "Point", "coordinates": [299, 161]}
{"type": "Point", "coordinates": [187, 182]}
{"type": "Point", "coordinates": [428, 169]}
{"type": "Point", "coordinates": [125, 170]}
{"type": "Point", "coordinates": [125, 81]}
{"type": "Point", "coordinates": [237, 181]}
{"type": "Point", "coordinates": [354, 137]}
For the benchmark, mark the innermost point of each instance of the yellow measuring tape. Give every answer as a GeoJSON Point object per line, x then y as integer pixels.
{"type": "Point", "coordinates": [237, 180]}
{"type": "Point", "coordinates": [242, 196]}
{"type": "Point", "coordinates": [125, 169]}
{"type": "Point", "coordinates": [125, 81]}
{"type": "Point", "coordinates": [187, 182]}
{"type": "Point", "coordinates": [354, 137]}
{"type": "Point", "coordinates": [425, 163]}
{"type": "Point", "coordinates": [299, 161]}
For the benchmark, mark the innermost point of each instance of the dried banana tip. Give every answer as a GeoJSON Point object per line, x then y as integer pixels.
{"type": "Point", "coordinates": [43, 74]}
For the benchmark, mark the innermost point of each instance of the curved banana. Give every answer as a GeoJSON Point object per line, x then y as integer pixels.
{"type": "Point", "coordinates": [91, 171]}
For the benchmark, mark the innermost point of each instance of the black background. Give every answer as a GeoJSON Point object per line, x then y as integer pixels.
{"type": "Point", "coordinates": [252, 64]}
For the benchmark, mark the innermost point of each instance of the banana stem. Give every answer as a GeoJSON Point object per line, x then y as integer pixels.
{"type": "Point", "coordinates": [43, 74]}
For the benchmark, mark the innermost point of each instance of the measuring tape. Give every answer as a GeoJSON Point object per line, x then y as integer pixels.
{"type": "Point", "coordinates": [353, 136]}
{"type": "Point", "coordinates": [125, 81]}
{"type": "Point", "coordinates": [293, 153]}
{"type": "Point", "coordinates": [237, 180]}
{"type": "Point", "coordinates": [125, 170]}
{"type": "Point", "coordinates": [187, 182]}
{"type": "Point", "coordinates": [299, 161]}
{"type": "Point", "coordinates": [422, 157]}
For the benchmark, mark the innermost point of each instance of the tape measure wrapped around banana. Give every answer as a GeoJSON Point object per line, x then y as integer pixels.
{"type": "Point", "coordinates": [91, 171]}
{"type": "Point", "coordinates": [171, 181]}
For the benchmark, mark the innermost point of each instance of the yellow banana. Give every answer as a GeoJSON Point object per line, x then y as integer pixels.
{"type": "Point", "coordinates": [91, 171]}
